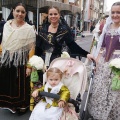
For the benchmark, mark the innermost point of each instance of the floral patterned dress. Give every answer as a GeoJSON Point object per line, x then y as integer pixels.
{"type": "Point", "coordinates": [104, 104]}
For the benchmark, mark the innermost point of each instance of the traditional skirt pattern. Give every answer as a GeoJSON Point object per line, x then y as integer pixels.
{"type": "Point", "coordinates": [14, 88]}
{"type": "Point", "coordinates": [104, 104]}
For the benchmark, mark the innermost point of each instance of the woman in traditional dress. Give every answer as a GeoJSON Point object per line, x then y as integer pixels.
{"type": "Point", "coordinates": [54, 36]}
{"type": "Point", "coordinates": [17, 42]}
{"type": "Point", "coordinates": [104, 103]}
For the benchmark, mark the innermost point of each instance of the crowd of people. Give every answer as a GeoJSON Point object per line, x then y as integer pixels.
{"type": "Point", "coordinates": [20, 42]}
{"type": "Point", "coordinates": [96, 33]}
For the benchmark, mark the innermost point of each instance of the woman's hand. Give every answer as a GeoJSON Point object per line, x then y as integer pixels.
{"type": "Point", "coordinates": [28, 72]}
{"type": "Point", "coordinates": [35, 93]}
{"type": "Point", "coordinates": [61, 104]}
{"type": "Point", "coordinates": [98, 57]}
{"type": "Point", "coordinates": [90, 57]}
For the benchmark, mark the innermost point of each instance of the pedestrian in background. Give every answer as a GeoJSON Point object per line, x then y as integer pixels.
{"type": "Point", "coordinates": [104, 103]}
{"type": "Point", "coordinates": [95, 38]}
{"type": "Point", "coordinates": [30, 22]}
{"type": "Point", "coordinates": [39, 28]}
{"type": "Point", "coordinates": [96, 34]}
{"type": "Point", "coordinates": [92, 27]}
{"type": "Point", "coordinates": [17, 42]}
{"type": "Point", "coordinates": [2, 22]}
{"type": "Point", "coordinates": [102, 23]}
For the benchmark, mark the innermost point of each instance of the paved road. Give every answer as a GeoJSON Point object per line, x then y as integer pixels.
{"type": "Point", "coordinates": [6, 115]}
{"type": "Point", "coordinates": [85, 43]}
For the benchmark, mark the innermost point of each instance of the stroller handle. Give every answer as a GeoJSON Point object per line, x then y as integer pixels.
{"type": "Point", "coordinates": [94, 62]}
{"type": "Point", "coordinates": [56, 96]}
{"type": "Point", "coordinates": [91, 79]}
{"type": "Point", "coordinates": [51, 95]}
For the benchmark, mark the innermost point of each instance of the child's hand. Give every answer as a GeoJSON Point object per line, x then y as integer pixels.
{"type": "Point", "coordinates": [28, 72]}
{"type": "Point", "coordinates": [61, 104]}
{"type": "Point", "coordinates": [35, 93]}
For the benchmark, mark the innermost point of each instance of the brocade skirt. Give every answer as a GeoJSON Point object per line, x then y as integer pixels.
{"type": "Point", "coordinates": [14, 87]}
{"type": "Point", "coordinates": [104, 103]}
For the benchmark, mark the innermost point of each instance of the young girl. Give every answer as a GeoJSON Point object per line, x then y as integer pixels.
{"type": "Point", "coordinates": [49, 108]}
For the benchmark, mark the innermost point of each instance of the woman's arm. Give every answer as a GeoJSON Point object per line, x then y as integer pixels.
{"type": "Point", "coordinates": [73, 46]}
{"type": "Point", "coordinates": [76, 49]}
{"type": "Point", "coordinates": [32, 50]}
{"type": "Point", "coordinates": [38, 47]}
{"type": "Point", "coordinates": [29, 68]}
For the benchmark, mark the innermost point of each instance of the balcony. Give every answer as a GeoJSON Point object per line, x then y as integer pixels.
{"type": "Point", "coordinates": [43, 4]}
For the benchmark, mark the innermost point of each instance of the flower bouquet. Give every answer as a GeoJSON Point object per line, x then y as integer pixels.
{"type": "Point", "coordinates": [115, 67]}
{"type": "Point", "coordinates": [65, 55]}
{"type": "Point", "coordinates": [37, 64]}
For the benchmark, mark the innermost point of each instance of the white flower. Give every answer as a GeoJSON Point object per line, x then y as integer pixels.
{"type": "Point", "coordinates": [36, 62]}
{"type": "Point", "coordinates": [65, 55]}
{"type": "Point", "coordinates": [115, 63]}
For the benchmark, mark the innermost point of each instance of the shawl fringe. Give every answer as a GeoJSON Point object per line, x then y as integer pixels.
{"type": "Point", "coordinates": [16, 58]}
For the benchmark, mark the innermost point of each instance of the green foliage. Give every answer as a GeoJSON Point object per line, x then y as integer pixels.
{"type": "Point", "coordinates": [116, 82]}
{"type": "Point", "coordinates": [34, 76]}
{"type": "Point", "coordinates": [116, 78]}
{"type": "Point", "coordinates": [115, 70]}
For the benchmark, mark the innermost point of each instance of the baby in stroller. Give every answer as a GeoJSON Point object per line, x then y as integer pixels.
{"type": "Point", "coordinates": [62, 72]}
{"type": "Point", "coordinates": [49, 109]}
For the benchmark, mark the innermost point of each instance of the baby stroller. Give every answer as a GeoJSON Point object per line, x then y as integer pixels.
{"type": "Point", "coordinates": [75, 80]}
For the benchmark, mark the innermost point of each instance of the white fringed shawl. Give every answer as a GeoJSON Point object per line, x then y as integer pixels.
{"type": "Point", "coordinates": [16, 44]}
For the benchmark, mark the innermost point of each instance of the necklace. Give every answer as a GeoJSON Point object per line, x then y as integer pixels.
{"type": "Point", "coordinates": [54, 26]}
{"type": "Point", "coordinates": [18, 25]}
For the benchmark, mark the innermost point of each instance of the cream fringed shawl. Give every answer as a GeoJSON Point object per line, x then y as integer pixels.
{"type": "Point", "coordinates": [16, 44]}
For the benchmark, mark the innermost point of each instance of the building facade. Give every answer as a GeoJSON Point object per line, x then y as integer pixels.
{"type": "Point", "coordinates": [76, 12]}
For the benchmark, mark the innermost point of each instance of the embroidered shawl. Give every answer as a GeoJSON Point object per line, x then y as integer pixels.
{"type": "Point", "coordinates": [16, 44]}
